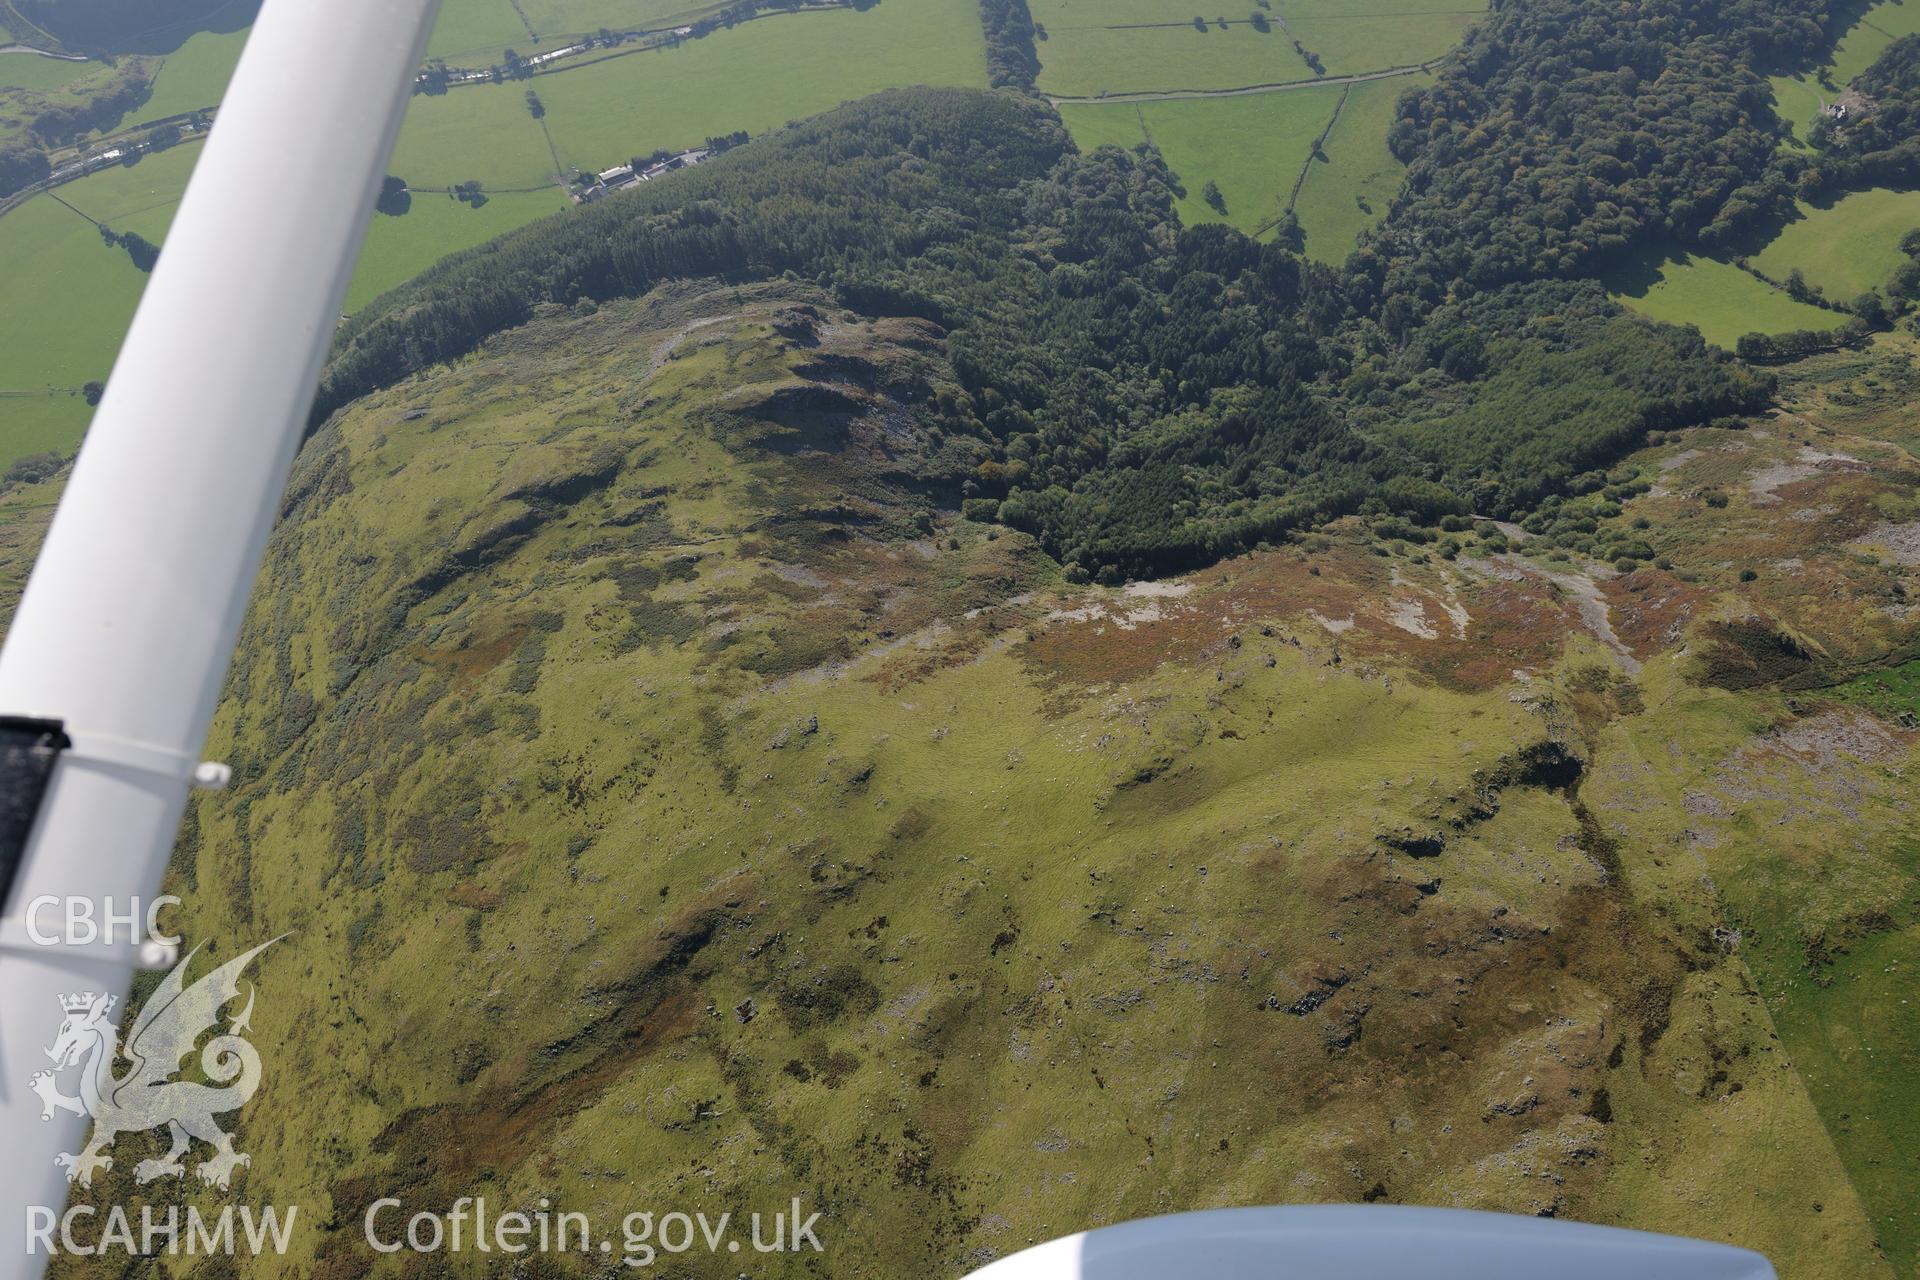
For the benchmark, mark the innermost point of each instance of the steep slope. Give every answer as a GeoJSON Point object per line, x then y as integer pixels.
{"type": "Point", "coordinates": [672, 806]}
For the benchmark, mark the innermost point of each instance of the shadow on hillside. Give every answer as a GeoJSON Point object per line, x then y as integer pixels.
{"type": "Point", "coordinates": [146, 26]}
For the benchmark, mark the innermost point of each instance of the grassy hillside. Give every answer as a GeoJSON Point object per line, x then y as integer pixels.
{"type": "Point", "coordinates": [669, 807]}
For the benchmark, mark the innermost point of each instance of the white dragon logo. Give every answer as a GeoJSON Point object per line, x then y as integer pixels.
{"type": "Point", "coordinates": [147, 1095]}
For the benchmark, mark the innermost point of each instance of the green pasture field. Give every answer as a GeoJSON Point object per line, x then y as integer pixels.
{"type": "Point", "coordinates": [1370, 35]}
{"type": "Point", "coordinates": [1292, 11]}
{"type": "Point", "coordinates": [41, 422]}
{"type": "Point", "coordinates": [1059, 15]}
{"type": "Point", "coordinates": [1083, 57]}
{"type": "Point", "coordinates": [31, 71]}
{"type": "Point", "coordinates": [478, 31]}
{"type": "Point", "coordinates": [400, 248]}
{"type": "Point", "coordinates": [139, 197]}
{"type": "Point", "coordinates": [1798, 98]}
{"type": "Point", "coordinates": [193, 76]}
{"type": "Point", "coordinates": [1153, 46]}
{"type": "Point", "coordinates": [66, 297]}
{"type": "Point", "coordinates": [65, 300]}
{"type": "Point", "coordinates": [1720, 299]}
{"type": "Point", "coordinates": [1099, 124]}
{"type": "Point", "coordinates": [1847, 247]}
{"type": "Point", "coordinates": [756, 77]}
{"type": "Point", "coordinates": [1252, 145]}
{"type": "Point", "coordinates": [480, 133]}
{"type": "Point", "coordinates": [1347, 193]}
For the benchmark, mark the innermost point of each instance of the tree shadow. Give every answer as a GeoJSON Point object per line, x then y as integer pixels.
{"type": "Point", "coordinates": [394, 199]}
{"type": "Point", "coordinates": [1635, 275]}
{"type": "Point", "coordinates": [1633, 272]}
{"type": "Point", "coordinates": [1765, 229]}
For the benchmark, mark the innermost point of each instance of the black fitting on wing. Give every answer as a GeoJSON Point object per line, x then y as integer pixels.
{"type": "Point", "coordinates": [28, 749]}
